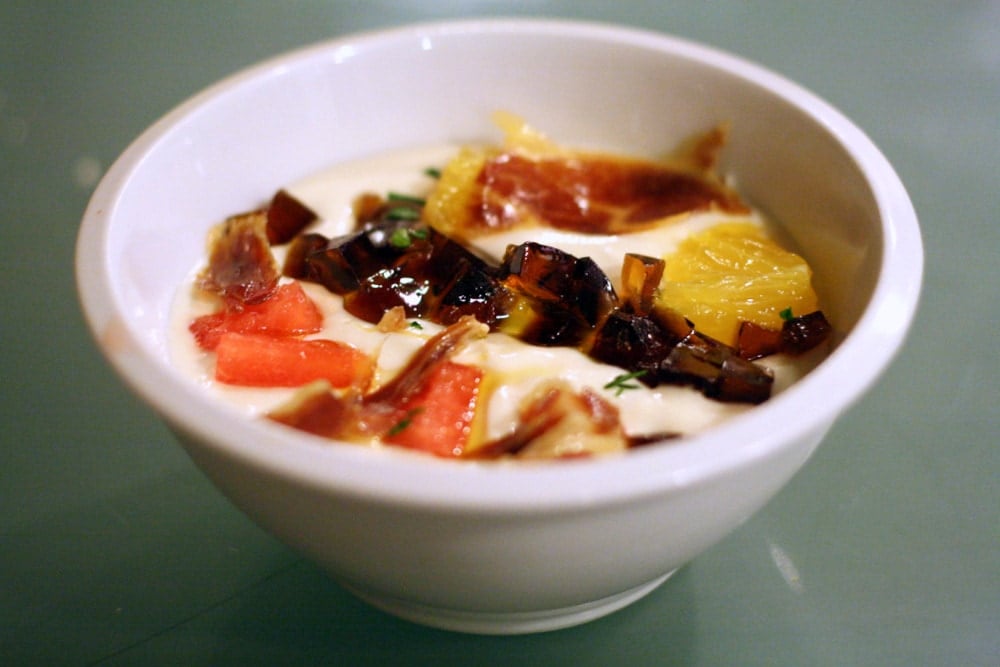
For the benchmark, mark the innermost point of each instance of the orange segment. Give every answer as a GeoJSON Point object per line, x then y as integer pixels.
{"type": "Point", "coordinates": [731, 273]}
{"type": "Point", "coordinates": [449, 204]}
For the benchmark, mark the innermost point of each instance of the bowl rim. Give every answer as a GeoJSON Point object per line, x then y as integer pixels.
{"type": "Point", "coordinates": [392, 475]}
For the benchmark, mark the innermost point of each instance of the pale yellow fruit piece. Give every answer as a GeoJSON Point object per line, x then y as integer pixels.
{"type": "Point", "coordinates": [519, 135]}
{"type": "Point", "coordinates": [731, 273]}
{"type": "Point", "coordinates": [447, 206]}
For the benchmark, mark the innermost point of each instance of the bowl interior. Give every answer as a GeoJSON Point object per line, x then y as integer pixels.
{"type": "Point", "coordinates": [229, 148]}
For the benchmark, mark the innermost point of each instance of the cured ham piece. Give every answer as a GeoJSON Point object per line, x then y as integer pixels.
{"type": "Point", "coordinates": [241, 268]}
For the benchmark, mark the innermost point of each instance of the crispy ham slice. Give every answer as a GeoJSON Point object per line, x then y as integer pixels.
{"type": "Point", "coordinates": [241, 268]}
{"type": "Point", "coordinates": [531, 181]}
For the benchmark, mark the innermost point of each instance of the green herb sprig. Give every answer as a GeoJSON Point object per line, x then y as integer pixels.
{"type": "Point", "coordinates": [397, 213]}
{"type": "Point", "coordinates": [405, 422]}
{"type": "Point", "coordinates": [623, 382]}
{"type": "Point", "coordinates": [402, 238]}
{"type": "Point", "coordinates": [409, 199]}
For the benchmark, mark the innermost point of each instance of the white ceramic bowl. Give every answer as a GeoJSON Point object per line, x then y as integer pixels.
{"type": "Point", "coordinates": [485, 547]}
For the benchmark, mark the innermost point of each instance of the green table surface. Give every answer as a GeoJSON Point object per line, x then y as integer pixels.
{"type": "Point", "coordinates": [115, 550]}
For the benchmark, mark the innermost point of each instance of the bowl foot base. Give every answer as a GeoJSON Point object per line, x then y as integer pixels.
{"type": "Point", "coordinates": [513, 623]}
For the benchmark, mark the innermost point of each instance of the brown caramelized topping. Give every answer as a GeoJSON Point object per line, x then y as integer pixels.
{"type": "Point", "coordinates": [590, 194]}
{"type": "Point", "coordinates": [538, 294]}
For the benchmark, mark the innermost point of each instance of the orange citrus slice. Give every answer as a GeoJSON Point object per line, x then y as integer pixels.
{"type": "Point", "coordinates": [731, 273]}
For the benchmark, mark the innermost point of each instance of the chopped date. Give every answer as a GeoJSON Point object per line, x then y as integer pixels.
{"type": "Point", "coordinates": [539, 294]}
{"type": "Point", "coordinates": [286, 217]}
{"type": "Point", "coordinates": [804, 332]}
{"type": "Point", "coordinates": [796, 335]}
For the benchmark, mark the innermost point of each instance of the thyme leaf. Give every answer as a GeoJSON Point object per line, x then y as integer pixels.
{"type": "Point", "coordinates": [405, 422]}
{"type": "Point", "coordinates": [402, 213]}
{"type": "Point", "coordinates": [410, 199]}
{"type": "Point", "coordinates": [402, 237]}
{"type": "Point", "coordinates": [623, 382]}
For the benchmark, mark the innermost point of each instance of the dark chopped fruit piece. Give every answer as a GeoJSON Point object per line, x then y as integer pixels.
{"type": "Point", "coordinates": [366, 207]}
{"type": "Point", "coordinates": [240, 266]}
{"type": "Point", "coordinates": [286, 217]}
{"type": "Point", "coordinates": [302, 263]}
{"type": "Point", "coordinates": [632, 342]}
{"type": "Point", "coordinates": [797, 335]}
{"type": "Point", "coordinates": [804, 332]}
{"type": "Point", "coordinates": [341, 264]}
{"type": "Point", "coordinates": [717, 371]}
{"type": "Point", "coordinates": [679, 355]}
{"type": "Point", "coordinates": [557, 277]}
{"type": "Point", "coordinates": [393, 263]}
{"type": "Point", "coordinates": [677, 327]}
{"type": "Point", "coordinates": [474, 291]}
{"type": "Point", "coordinates": [539, 294]}
{"type": "Point", "coordinates": [641, 276]}
{"type": "Point", "coordinates": [569, 296]}
{"type": "Point", "coordinates": [403, 283]}
{"type": "Point", "coordinates": [755, 341]}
